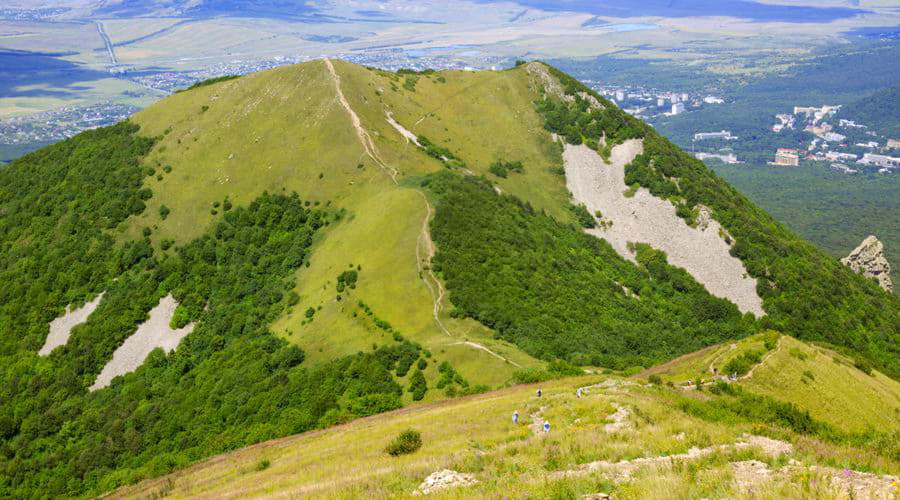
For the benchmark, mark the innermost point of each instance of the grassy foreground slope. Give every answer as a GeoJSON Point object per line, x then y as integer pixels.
{"type": "Point", "coordinates": [476, 436]}
{"type": "Point", "coordinates": [816, 379]}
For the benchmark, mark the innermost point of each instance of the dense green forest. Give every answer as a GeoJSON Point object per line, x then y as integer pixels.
{"type": "Point", "coordinates": [230, 383]}
{"type": "Point", "coordinates": [833, 210]}
{"type": "Point", "coordinates": [557, 292]}
{"type": "Point", "coordinates": [879, 111]}
{"type": "Point", "coordinates": [805, 292]}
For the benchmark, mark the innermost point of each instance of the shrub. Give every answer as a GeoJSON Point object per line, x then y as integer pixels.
{"type": "Point", "coordinates": [740, 365]}
{"type": "Point", "coordinates": [863, 366]}
{"type": "Point", "coordinates": [564, 369]}
{"type": "Point", "coordinates": [770, 340]}
{"type": "Point", "coordinates": [583, 217]}
{"type": "Point", "coordinates": [655, 379]}
{"type": "Point", "coordinates": [417, 385]}
{"type": "Point", "coordinates": [407, 442]}
{"type": "Point", "coordinates": [263, 464]}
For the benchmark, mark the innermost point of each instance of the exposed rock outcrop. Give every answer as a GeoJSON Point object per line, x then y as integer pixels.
{"type": "Point", "coordinates": [444, 479]}
{"type": "Point", "coordinates": [641, 217]}
{"type": "Point", "coordinates": [868, 259]}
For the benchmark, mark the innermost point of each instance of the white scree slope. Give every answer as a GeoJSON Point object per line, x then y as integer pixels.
{"type": "Point", "coordinates": [153, 333]}
{"type": "Point", "coordinates": [61, 327]}
{"type": "Point", "coordinates": [645, 218]}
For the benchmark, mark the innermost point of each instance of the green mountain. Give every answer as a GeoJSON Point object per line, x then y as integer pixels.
{"type": "Point", "coordinates": [878, 111]}
{"type": "Point", "coordinates": [293, 249]}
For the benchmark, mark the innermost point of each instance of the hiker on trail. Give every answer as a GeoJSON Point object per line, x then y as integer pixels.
{"type": "Point", "coordinates": [539, 393]}
{"type": "Point", "coordinates": [546, 427]}
{"type": "Point", "coordinates": [578, 392]}
{"type": "Point", "coordinates": [516, 417]}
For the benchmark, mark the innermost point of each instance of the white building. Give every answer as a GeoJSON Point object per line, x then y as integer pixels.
{"type": "Point", "coordinates": [730, 158]}
{"type": "Point", "coordinates": [725, 134]}
{"type": "Point", "coordinates": [849, 123]}
{"type": "Point", "coordinates": [620, 95]}
{"type": "Point", "coordinates": [660, 102]}
{"type": "Point", "coordinates": [840, 167]}
{"type": "Point", "coordinates": [880, 160]}
{"type": "Point", "coordinates": [784, 121]}
{"type": "Point", "coordinates": [677, 108]}
{"type": "Point", "coordinates": [713, 100]}
{"type": "Point", "coordinates": [836, 156]}
{"type": "Point", "coordinates": [833, 137]}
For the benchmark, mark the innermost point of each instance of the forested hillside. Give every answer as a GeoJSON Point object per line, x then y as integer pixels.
{"type": "Point", "coordinates": [805, 292]}
{"type": "Point", "coordinates": [879, 111]}
{"type": "Point", "coordinates": [230, 383]}
{"type": "Point", "coordinates": [557, 292]}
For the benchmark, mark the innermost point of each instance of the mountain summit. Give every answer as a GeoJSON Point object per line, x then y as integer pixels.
{"type": "Point", "coordinates": [260, 256]}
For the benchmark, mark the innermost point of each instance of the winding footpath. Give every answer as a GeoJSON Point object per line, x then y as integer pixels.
{"type": "Point", "coordinates": [424, 242]}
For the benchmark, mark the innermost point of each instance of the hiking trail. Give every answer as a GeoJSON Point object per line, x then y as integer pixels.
{"type": "Point", "coordinates": [424, 242]}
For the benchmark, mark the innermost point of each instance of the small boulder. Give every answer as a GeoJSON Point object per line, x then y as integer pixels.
{"type": "Point", "coordinates": [444, 479]}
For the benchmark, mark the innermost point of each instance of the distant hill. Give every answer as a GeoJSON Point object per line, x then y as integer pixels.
{"type": "Point", "coordinates": [879, 111]}
{"type": "Point", "coordinates": [335, 241]}
{"type": "Point", "coordinates": [203, 8]}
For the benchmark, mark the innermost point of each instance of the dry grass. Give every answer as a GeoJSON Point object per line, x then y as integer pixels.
{"type": "Point", "coordinates": [475, 435]}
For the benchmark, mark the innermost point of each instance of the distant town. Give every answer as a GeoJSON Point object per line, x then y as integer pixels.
{"type": "Point", "coordinates": [842, 145]}
{"type": "Point", "coordinates": [58, 124]}
{"type": "Point", "coordinates": [651, 103]}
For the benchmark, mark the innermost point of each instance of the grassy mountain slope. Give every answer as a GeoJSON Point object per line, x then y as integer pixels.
{"type": "Point", "coordinates": [816, 379]}
{"type": "Point", "coordinates": [285, 131]}
{"type": "Point", "coordinates": [476, 436]}
{"type": "Point", "coordinates": [293, 224]}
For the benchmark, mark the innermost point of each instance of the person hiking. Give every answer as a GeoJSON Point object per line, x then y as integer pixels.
{"type": "Point", "coordinates": [578, 392]}
{"type": "Point", "coordinates": [539, 393]}
{"type": "Point", "coordinates": [515, 417]}
{"type": "Point", "coordinates": [546, 427]}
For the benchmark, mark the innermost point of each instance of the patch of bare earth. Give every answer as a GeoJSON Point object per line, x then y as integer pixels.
{"type": "Point", "coordinates": [61, 327]}
{"type": "Point", "coordinates": [749, 475]}
{"type": "Point", "coordinates": [618, 420]}
{"type": "Point", "coordinates": [644, 218]}
{"type": "Point", "coordinates": [152, 334]}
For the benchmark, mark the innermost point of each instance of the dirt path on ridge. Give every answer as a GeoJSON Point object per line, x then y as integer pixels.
{"type": "Point", "coordinates": [424, 242]}
{"type": "Point", "coordinates": [364, 138]}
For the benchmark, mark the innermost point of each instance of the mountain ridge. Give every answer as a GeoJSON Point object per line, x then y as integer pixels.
{"type": "Point", "coordinates": [292, 221]}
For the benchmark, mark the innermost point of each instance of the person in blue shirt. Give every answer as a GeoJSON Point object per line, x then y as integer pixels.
{"type": "Point", "coordinates": [546, 427]}
{"type": "Point", "coordinates": [515, 417]}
